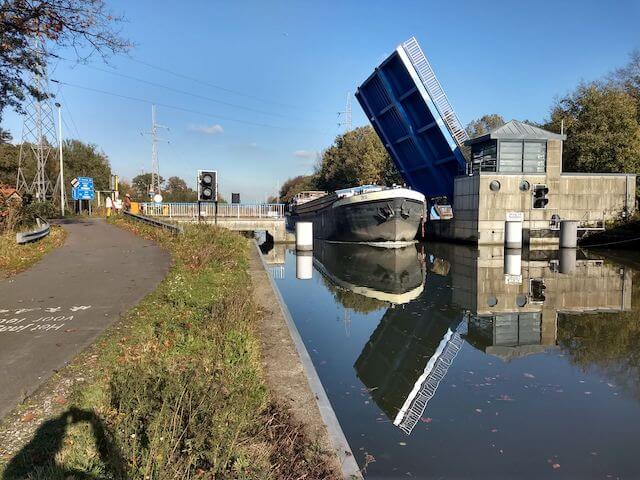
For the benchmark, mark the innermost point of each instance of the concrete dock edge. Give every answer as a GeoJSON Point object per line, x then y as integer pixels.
{"type": "Point", "coordinates": [336, 437]}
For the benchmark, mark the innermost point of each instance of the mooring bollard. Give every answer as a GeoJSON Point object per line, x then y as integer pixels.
{"type": "Point", "coordinates": [568, 234]}
{"type": "Point", "coordinates": [304, 265]}
{"type": "Point", "coordinates": [304, 236]}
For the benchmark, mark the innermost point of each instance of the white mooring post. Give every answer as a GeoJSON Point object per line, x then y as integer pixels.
{"type": "Point", "coordinates": [304, 236]}
{"type": "Point", "coordinates": [513, 230]}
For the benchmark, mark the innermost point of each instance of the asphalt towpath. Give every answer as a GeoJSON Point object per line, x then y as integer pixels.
{"type": "Point", "coordinates": [51, 312]}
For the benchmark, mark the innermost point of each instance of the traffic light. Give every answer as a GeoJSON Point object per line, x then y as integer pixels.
{"type": "Point", "coordinates": [207, 185]}
{"type": "Point", "coordinates": [540, 199]}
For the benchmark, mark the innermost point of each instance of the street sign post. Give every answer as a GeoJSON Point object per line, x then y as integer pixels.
{"type": "Point", "coordinates": [83, 189]}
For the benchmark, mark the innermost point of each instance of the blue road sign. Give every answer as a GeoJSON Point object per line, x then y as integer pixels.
{"type": "Point", "coordinates": [83, 189]}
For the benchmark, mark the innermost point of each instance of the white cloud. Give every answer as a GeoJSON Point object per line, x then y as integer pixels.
{"type": "Point", "coordinates": [214, 129]}
{"type": "Point", "coordinates": [304, 154]}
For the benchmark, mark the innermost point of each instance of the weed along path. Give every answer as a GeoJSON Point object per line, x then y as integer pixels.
{"type": "Point", "coordinates": [50, 312]}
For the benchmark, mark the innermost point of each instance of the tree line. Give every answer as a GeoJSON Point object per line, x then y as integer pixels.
{"type": "Point", "coordinates": [86, 160]}
{"type": "Point", "coordinates": [601, 120]}
{"type": "Point", "coordinates": [357, 157]}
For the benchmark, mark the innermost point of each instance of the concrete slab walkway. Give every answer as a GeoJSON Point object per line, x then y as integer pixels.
{"type": "Point", "coordinates": [51, 312]}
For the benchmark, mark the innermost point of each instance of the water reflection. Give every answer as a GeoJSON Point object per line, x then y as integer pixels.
{"type": "Point", "coordinates": [473, 346]}
{"type": "Point", "coordinates": [392, 275]}
{"type": "Point", "coordinates": [502, 302]}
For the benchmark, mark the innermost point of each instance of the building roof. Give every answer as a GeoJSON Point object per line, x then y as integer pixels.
{"type": "Point", "coordinates": [515, 130]}
{"type": "Point", "coordinates": [8, 191]}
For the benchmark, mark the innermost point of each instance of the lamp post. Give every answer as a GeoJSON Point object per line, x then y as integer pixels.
{"type": "Point", "coordinates": [61, 163]}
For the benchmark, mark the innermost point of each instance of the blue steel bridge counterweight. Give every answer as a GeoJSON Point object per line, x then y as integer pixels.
{"type": "Point", "coordinates": [412, 115]}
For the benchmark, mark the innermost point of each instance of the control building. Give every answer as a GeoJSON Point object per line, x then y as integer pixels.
{"type": "Point", "coordinates": [517, 168]}
{"type": "Point", "coordinates": [515, 171]}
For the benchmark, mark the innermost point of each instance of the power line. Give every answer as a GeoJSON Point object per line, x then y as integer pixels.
{"type": "Point", "coordinates": [219, 87]}
{"type": "Point", "coordinates": [183, 109]}
{"type": "Point", "coordinates": [184, 92]}
{"type": "Point", "coordinates": [68, 110]}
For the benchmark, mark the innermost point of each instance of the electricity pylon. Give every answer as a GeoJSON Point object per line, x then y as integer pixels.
{"type": "Point", "coordinates": [346, 114]}
{"type": "Point", "coordinates": [155, 165]}
{"type": "Point", "coordinates": [38, 135]}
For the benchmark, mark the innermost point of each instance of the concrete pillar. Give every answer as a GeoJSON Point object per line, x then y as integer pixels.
{"type": "Point", "coordinates": [568, 234]}
{"type": "Point", "coordinates": [304, 236]}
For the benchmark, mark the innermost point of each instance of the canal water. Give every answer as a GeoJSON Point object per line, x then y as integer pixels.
{"type": "Point", "coordinates": [446, 361]}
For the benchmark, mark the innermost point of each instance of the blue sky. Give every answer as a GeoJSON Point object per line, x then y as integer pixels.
{"type": "Point", "coordinates": [285, 68]}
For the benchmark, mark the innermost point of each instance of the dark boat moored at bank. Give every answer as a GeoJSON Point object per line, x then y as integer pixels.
{"type": "Point", "coordinates": [370, 213]}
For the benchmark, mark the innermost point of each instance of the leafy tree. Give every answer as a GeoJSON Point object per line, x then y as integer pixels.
{"type": "Point", "coordinates": [141, 183]}
{"type": "Point", "coordinates": [84, 25]}
{"type": "Point", "coordinates": [603, 134]}
{"type": "Point", "coordinates": [85, 160]}
{"type": "Point", "coordinates": [627, 78]}
{"type": "Point", "coordinates": [484, 124]}
{"type": "Point", "coordinates": [9, 164]}
{"type": "Point", "coordinates": [295, 185]}
{"type": "Point", "coordinates": [356, 157]}
{"type": "Point", "coordinates": [5, 136]}
{"type": "Point", "coordinates": [177, 190]}
{"type": "Point", "coordinates": [125, 187]}
{"type": "Point", "coordinates": [80, 159]}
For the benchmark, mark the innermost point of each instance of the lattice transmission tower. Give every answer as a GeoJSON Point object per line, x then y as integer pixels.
{"type": "Point", "coordinates": [155, 164]}
{"type": "Point", "coordinates": [346, 115]}
{"type": "Point", "coordinates": [39, 141]}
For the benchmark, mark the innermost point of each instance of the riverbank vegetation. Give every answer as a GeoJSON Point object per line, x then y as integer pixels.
{"type": "Point", "coordinates": [177, 388]}
{"type": "Point", "coordinates": [17, 258]}
{"type": "Point", "coordinates": [16, 217]}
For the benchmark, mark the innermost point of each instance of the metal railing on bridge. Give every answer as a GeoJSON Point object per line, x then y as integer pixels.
{"type": "Point", "coordinates": [207, 210]}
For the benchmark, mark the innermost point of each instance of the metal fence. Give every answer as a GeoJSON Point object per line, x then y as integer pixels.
{"type": "Point", "coordinates": [153, 222]}
{"type": "Point", "coordinates": [225, 210]}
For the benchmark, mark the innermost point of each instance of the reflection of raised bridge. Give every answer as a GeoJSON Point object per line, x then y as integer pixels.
{"type": "Point", "coordinates": [268, 217]}
{"type": "Point", "coordinates": [425, 387]}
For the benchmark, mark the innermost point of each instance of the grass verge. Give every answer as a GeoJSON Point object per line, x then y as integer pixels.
{"type": "Point", "coordinates": [177, 390]}
{"type": "Point", "coordinates": [16, 258]}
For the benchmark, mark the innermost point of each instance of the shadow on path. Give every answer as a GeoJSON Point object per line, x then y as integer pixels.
{"type": "Point", "coordinates": [37, 459]}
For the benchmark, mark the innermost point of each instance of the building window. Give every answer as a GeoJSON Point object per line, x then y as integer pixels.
{"type": "Point", "coordinates": [523, 156]}
{"type": "Point", "coordinates": [484, 157]}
